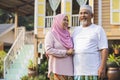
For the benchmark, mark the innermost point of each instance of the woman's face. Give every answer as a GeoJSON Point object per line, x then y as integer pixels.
{"type": "Point", "coordinates": [65, 22]}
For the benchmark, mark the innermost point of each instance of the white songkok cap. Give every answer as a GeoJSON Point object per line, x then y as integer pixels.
{"type": "Point", "coordinates": [89, 8]}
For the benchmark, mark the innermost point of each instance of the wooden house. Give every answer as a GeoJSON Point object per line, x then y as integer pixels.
{"type": "Point", "coordinates": [106, 14]}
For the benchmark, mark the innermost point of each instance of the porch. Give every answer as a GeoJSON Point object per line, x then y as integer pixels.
{"type": "Point", "coordinates": [74, 22]}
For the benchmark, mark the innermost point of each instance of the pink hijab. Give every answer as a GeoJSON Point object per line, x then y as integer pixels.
{"type": "Point", "coordinates": [63, 36]}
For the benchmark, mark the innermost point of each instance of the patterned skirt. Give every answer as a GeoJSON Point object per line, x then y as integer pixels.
{"type": "Point", "coordinates": [60, 77]}
{"type": "Point", "coordinates": [86, 78]}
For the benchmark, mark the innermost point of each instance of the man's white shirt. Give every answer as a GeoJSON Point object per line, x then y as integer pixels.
{"type": "Point", "coordinates": [87, 43]}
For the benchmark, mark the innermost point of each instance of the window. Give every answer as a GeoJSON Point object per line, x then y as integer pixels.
{"type": "Point", "coordinates": [49, 11]}
{"type": "Point", "coordinates": [115, 12]}
{"type": "Point", "coordinates": [76, 7]}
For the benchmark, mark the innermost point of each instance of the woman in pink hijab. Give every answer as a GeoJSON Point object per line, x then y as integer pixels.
{"type": "Point", "coordinates": [59, 48]}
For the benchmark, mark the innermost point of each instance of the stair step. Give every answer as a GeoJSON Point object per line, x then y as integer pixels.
{"type": "Point", "coordinates": [12, 77]}
{"type": "Point", "coordinates": [19, 66]}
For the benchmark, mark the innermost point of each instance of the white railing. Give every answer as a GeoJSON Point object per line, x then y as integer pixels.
{"type": "Point", "coordinates": [48, 21]}
{"type": "Point", "coordinates": [75, 21]}
{"type": "Point", "coordinates": [12, 53]}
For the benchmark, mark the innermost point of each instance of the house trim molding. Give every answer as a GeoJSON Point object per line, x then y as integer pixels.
{"type": "Point", "coordinates": [100, 12]}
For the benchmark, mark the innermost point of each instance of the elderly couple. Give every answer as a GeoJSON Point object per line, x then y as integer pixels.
{"type": "Point", "coordinates": [81, 56]}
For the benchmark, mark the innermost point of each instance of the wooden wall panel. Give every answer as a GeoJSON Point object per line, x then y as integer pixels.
{"type": "Point", "coordinates": [112, 31]}
{"type": "Point", "coordinates": [96, 11]}
{"type": "Point", "coordinates": [106, 13]}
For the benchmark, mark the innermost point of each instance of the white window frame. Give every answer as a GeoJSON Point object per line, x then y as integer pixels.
{"type": "Point", "coordinates": [111, 13]}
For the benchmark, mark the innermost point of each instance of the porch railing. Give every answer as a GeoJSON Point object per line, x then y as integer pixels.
{"type": "Point", "coordinates": [49, 19]}
{"type": "Point", "coordinates": [75, 20]}
{"type": "Point", "coordinates": [12, 53]}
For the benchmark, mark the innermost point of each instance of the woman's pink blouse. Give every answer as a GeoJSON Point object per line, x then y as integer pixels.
{"type": "Point", "coordinates": [59, 62]}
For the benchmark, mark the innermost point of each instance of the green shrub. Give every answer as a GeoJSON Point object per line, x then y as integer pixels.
{"type": "Point", "coordinates": [31, 65]}
{"type": "Point", "coordinates": [39, 77]}
{"type": "Point", "coordinates": [2, 56]}
{"type": "Point", "coordinates": [43, 68]}
{"type": "Point", "coordinates": [113, 61]}
{"type": "Point", "coordinates": [115, 46]}
{"type": "Point", "coordinates": [24, 77]}
{"type": "Point", "coordinates": [42, 71]}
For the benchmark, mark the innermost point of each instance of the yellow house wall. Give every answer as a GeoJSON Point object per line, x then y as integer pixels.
{"type": "Point", "coordinates": [41, 19]}
{"type": "Point", "coordinates": [66, 8]}
{"type": "Point", "coordinates": [39, 25]}
{"type": "Point", "coordinates": [41, 13]}
{"type": "Point", "coordinates": [40, 0]}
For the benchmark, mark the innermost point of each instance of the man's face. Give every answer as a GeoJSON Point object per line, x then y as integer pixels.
{"type": "Point", "coordinates": [85, 17]}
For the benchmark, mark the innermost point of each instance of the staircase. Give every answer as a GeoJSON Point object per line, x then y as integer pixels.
{"type": "Point", "coordinates": [19, 66]}
{"type": "Point", "coordinates": [16, 61]}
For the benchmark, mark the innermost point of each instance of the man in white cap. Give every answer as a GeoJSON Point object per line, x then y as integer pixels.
{"type": "Point", "coordinates": [91, 47]}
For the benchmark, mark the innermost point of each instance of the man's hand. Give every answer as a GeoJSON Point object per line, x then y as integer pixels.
{"type": "Point", "coordinates": [101, 72]}
{"type": "Point", "coordinates": [70, 52]}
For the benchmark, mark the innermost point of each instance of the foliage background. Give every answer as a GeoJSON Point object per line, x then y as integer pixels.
{"type": "Point", "coordinates": [8, 17]}
{"type": "Point", "coordinates": [2, 55]}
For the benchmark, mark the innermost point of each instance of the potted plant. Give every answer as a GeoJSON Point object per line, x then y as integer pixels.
{"type": "Point", "coordinates": [113, 67]}
{"type": "Point", "coordinates": [116, 48]}
{"type": "Point", "coordinates": [25, 77]}
{"type": "Point", "coordinates": [31, 69]}
{"type": "Point", "coordinates": [113, 61]}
